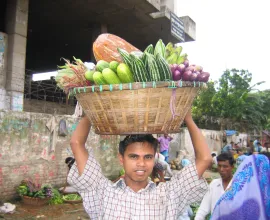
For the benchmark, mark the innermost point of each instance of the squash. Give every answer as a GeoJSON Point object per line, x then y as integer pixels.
{"type": "Point", "coordinates": [105, 47]}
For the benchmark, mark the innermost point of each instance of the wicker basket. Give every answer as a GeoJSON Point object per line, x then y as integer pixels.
{"type": "Point", "coordinates": [137, 108]}
{"type": "Point", "coordinates": [35, 201]}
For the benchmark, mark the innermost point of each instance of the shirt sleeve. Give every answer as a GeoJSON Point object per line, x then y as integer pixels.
{"type": "Point", "coordinates": [91, 177]}
{"type": "Point", "coordinates": [186, 187]}
{"type": "Point", "coordinates": [204, 208]}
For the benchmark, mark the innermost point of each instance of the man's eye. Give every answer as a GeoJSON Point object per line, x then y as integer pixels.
{"type": "Point", "coordinates": [133, 156]}
{"type": "Point", "coordinates": [148, 157]}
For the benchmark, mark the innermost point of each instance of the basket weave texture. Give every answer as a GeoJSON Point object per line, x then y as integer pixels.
{"type": "Point", "coordinates": [35, 201]}
{"type": "Point", "coordinates": [137, 108]}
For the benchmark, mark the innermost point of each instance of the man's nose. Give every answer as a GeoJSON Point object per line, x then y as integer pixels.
{"type": "Point", "coordinates": [140, 162]}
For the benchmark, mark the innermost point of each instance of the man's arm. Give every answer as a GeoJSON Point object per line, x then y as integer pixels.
{"type": "Point", "coordinates": [202, 151]}
{"type": "Point", "coordinates": [77, 142]}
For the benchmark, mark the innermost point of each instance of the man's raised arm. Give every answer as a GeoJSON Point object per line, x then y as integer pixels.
{"type": "Point", "coordinates": [202, 151]}
{"type": "Point", "coordinates": [77, 142]}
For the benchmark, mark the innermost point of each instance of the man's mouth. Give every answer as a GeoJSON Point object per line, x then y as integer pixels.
{"type": "Point", "coordinates": [140, 172]}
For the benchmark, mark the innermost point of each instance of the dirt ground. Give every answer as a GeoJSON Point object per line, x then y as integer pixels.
{"type": "Point", "coordinates": [47, 212]}
{"type": "Point", "coordinates": [61, 212]}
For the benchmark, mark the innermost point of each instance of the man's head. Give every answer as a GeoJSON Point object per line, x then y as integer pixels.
{"type": "Point", "coordinates": [225, 165]}
{"type": "Point", "coordinates": [165, 135]}
{"type": "Point", "coordinates": [213, 154]}
{"type": "Point", "coordinates": [137, 155]}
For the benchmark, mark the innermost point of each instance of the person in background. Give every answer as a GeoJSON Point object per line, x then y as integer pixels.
{"type": "Point", "coordinates": [248, 198]}
{"type": "Point", "coordinates": [241, 157]}
{"type": "Point", "coordinates": [159, 158]}
{"type": "Point", "coordinates": [164, 146]}
{"type": "Point", "coordinates": [218, 186]}
{"type": "Point", "coordinates": [227, 148]}
{"type": "Point", "coordinates": [257, 146]}
{"type": "Point", "coordinates": [214, 161]}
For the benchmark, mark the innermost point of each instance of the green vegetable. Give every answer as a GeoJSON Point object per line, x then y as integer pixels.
{"type": "Point", "coordinates": [181, 59]}
{"type": "Point", "coordinates": [89, 75]}
{"type": "Point", "coordinates": [160, 48]}
{"type": "Point", "coordinates": [164, 69]}
{"type": "Point", "coordinates": [72, 197]}
{"type": "Point", "coordinates": [172, 59]}
{"type": "Point", "coordinates": [125, 56]}
{"type": "Point", "coordinates": [101, 65]}
{"type": "Point", "coordinates": [110, 76]}
{"type": "Point", "coordinates": [168, 50]}
{"type": "Point", "coordinates": [149, 49]}
{"type": "Point", "coordinates": [99, 79]}
{"type": "Point", "coordinates": [124, 73]}
{"type": "Point", "coordinates": [114, 65]}
{"type": "Point", "coordinates": [152, 67]}
{"type": "Point", "coordinates": [139, 70]}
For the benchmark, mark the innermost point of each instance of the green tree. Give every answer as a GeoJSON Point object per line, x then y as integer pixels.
{"type": "Point", "coordinates": [229, 104]}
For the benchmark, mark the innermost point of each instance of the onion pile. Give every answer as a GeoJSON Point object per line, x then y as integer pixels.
{"type": "Point", "coordinates": [188, 72]}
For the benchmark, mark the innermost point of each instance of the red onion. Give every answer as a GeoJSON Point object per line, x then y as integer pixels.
{"type": "Point", "coordinates": [176, 75]}
{"type": "Point", "coordinates": [186, 75]}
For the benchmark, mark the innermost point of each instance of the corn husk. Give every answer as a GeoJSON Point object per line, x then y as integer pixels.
{"type": "Point", "coordinates": [71, 75]}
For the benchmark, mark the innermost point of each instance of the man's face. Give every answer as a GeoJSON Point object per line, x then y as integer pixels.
{"type": "Point", "coordinates": [225, 169]}
{"type": "Point", "coordinates": [138, 162]}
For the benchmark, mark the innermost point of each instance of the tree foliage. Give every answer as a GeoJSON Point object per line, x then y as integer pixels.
{"type": "Point", "coordinates": [231, 103]}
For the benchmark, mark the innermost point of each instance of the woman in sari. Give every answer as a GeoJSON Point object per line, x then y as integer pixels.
{"type": "Point", "coordinates": [249, 195]}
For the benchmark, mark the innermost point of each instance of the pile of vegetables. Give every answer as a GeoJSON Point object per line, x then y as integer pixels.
{"type": "Point", "coordinates": [29, 188]}
{"type": "Point", "coordinates": [34, 190]}
{"type": "Point", "coordinates": [120, 62]}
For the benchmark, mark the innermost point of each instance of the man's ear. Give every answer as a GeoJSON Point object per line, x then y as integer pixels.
{"type": "Point", "coordinates": [120, 157]}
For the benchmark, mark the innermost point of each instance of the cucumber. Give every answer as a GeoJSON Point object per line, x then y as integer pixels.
{"type": "Point", "coordinates": [139, 70]}
{"type": "Point", "coordinates": [125, 56]}
{"type": "Point", "coordinates": [114, 65]}
{"type": "Point", "coordinates": [99, 79]}
{"type": "Point", "coordinates": [110, 76]}
{"type": "Point", "coordinates": [124, 73]}
{"type": "Point", "coordinates": [101, 65]}
{"type": "Point", "coordinates": [164, 69]}
{"type": "Point", "coordinates": [152, 67]}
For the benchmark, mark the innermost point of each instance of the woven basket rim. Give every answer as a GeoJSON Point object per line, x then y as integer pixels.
{"type": "Point", "coordinates": [136, 86]}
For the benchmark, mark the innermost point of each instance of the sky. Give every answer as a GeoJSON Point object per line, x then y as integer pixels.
{"type": "Point", "coordinates": [229, 34]}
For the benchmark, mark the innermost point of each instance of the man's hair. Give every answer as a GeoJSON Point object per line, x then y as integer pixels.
{"type": "Point", "coordinates": [69, 161]}
{"type": "Point", "coordinates": [226, 156]}
{"type": "Point", "coordinates": [213, 155]}
{"type": "Point", "coordinates": [137, 138]}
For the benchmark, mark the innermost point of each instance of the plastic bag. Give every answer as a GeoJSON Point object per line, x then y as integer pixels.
{"type": "Point", "coordinates": [62, 128]}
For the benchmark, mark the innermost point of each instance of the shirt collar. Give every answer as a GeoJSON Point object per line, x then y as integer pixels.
{"type": "Point", "coordinates": [121, 184]}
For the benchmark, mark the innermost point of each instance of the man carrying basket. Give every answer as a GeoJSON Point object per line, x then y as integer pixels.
{"type": "Point", "coordinates": [135, 196]}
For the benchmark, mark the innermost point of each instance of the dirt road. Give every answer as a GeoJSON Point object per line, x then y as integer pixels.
{"type": "Point", "coordinates": [47, 212]}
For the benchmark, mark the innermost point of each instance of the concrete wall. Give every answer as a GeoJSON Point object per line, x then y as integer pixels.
{"type": "Point", "coordinates": [182, 142]}
{"type": "Point", "coordinates": [25, 150]}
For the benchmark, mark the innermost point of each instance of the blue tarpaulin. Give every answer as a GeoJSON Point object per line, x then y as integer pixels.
{"type": "Point", "coordinates": [230, 132]}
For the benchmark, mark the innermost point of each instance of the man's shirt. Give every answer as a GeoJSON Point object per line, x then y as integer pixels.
{"type": "Point", "coordinates": [210, 199]}
{"type": "Point", "coordinates": [164, 143]}
{"type": "Point", "coordinates": [103, 199]}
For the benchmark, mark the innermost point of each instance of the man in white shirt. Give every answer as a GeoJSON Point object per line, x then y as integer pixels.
{"type": "Point", "coordinates": [218, 186]}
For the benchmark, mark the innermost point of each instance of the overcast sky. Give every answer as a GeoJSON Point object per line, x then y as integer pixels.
{"type": "Point", "coordinates": [230, 34]}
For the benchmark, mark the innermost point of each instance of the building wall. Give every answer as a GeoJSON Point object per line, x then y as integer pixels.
{"type": "Point", "coordinates": [26, 146]}
{"type": "Point", "coordinates": [181, 143]}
